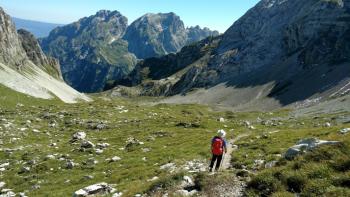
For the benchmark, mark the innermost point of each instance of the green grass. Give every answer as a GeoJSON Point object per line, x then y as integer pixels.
{"type": "Point", "coordinates": [161, 128]}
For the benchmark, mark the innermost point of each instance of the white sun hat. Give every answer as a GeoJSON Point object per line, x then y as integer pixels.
{"type": "Point", "coordinates": [221, 133]}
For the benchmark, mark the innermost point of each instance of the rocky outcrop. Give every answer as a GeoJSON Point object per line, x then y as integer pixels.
{"type": "Point", "coordinates": [91, 50]}
{"type": "Point", "coordinates": [154, 35]}
{"type": "Point", "coordinates": [11, 53]}
{"type": "Point", "coordinates": [25, 68]}
{"type": "Point", "coordinates": [37, 56]}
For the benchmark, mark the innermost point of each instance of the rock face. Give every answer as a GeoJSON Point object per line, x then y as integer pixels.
{"type": "Point", "coordinates": [25, 68]}
{"type": "Point", "coordinates": [37, 56]}
{"type": "Point", "coordinates": [154, 35]}
{"type": "Point", "coordinates": [91, 50]}
{"type": "Point", "coordinates": [263, 59]}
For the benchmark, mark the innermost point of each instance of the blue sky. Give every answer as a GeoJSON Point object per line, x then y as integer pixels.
{"type": "Point", "coordinates": [215, 14]}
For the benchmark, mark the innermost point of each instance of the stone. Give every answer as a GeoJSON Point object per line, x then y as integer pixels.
{"type": "Point", "coordinates": [2, 184]}
{"type": "Point", "coordinates": [118, 194]}
{"type": "Point", "coordinates": [221, 119]}
{"type": "Point", "coordinates": [50, 157]}
{"type": "Point", "coordinates": [345, 130]}
{"type": "Point", "coordinates": [7, 193]}
{"type": "Point", "coordinates": [79, 136]}
{"type": "Point", "coordinates": [270, 164]}
{"type": "Point", "coordinates": [24, 169]}
{"type": "Point", "coordinates": [102, 145]}
{"type": "Point", "coordinates": [70, 164]}
{"type": "Point", "coordinates": [94, 190]}
{"type": "Point", "coordinates": [153, 179]}
{"type": "Point", "coordinates": [305, 145]}
{"type": "Point", "coordinates": [169, 167]}
{"type": "Point", "coordinates": [187, 182]}
{"type": "Point", "coordinates": [184, 192]}
{"type": "Point", "coordinates": [87, 144]}
{"type": "Point", "coordinates": [115, 159]}
{"type": "Point", "coordinates": [327, 124]}
{"type": "Point", "coordinates": [98, 151]}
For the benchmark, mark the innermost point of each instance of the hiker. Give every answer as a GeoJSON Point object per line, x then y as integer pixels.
{"type": "Point", "coordinates": [218, 148]}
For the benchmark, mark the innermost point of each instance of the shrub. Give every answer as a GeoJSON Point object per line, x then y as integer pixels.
{"type": "Point", "coordinates": [296, 183]}
{"type": "Point", "coordinates": [264, 184]}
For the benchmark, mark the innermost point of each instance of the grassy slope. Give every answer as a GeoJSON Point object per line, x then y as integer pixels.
{"type": "Point", "coordinates": [178, 144]}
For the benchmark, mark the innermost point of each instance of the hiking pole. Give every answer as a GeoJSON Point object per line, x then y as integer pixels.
{"type": "Point", "coordinates": [222, 161]}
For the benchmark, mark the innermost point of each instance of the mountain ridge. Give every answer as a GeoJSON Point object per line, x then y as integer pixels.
{"type": "Point", "coordinates": [98, 50]}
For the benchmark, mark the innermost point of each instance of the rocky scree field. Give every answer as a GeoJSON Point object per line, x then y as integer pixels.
{"type": "Point", "coordinates": [48, 148]}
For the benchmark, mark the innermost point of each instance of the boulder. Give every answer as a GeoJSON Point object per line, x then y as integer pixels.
{"type": "Point", "coordinates": [94, 190]}
{"type": "Point", "coordinates": [305, 145]}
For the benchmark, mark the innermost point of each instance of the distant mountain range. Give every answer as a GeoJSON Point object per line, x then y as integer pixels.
{"type": "Point", "coordinates": [38, 29]}
{"type": "Point", "coordinates": [281, 52]}
{"type": "Point", "coordinates": [100, 49]}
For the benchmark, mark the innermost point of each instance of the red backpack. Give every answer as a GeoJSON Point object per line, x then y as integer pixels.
{"type": "Point", "coordinates": [217, 147]}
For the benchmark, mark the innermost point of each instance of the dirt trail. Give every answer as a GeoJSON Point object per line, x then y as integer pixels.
{"type": "Point", "coordinates": [226, 163]}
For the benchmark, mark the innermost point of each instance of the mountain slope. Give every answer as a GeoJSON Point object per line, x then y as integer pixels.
{"type": "Point", "coordinates": [25, 68]}
{"type": "Point", "coordinates": [280, 52]}
{"type": "Point", "coordinates": [39, 29]}
{"type": "Point", "coordinates": [154, 35]}
{"type": "Point", "coordinates": [91, 50]}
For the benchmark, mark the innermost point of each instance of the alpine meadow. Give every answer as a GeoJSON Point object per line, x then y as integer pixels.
{"type": "Point", "coordinates": [122, 104]}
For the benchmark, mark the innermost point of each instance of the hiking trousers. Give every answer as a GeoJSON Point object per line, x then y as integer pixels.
{"type": "Point", "coordinates": [216, 158]}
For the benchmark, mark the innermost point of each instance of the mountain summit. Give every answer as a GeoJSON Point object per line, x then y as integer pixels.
{"type": "Point", "coordinates": [98, 49]}
{"type": "Point", "coordinates": [91, 50]}
{"type": "Point", "coordinates": [154, 35]}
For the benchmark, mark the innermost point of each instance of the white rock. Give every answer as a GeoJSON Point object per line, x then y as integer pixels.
{"type": "Point", "coordinates": [50, 157]}
{"type": "Point", "coordinates": [79, 135]}
{"type": "Point", "coordinates": [305, 145]}
{"type": "Point", "coordinates": [270, 164]}
{"type": "Point", "coordinates": [153, 179]}
{"type": "Point", "coordinates": [221, 119]}
{"type": "Point", "coordinates": [344, 131]}
{"type": "Point", "coordinates": [187, 182]}
{"type": "Point", "coordinates": [87, 144]}
{"type": "Point", "coordinates": [99, 151]}
{"type": "Point", "coordinates": [184, 192]}
{"type": "Point", "coordinates": [115, 158]}
{"type": "Point", "coordinates": [327, 124]}
{"type": "Point", "coordinates": [169, 167]}
{"type": "Point", "coordinates": [2, 184]}
{"type": "Point", "coordinates": [4, 165]}
{"type": "Point", "coordinates": [94, 190]}
{"type": "Point", "coordinates": [119, 194]}
{"type": "Point", "coordinates": [7, 194]}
